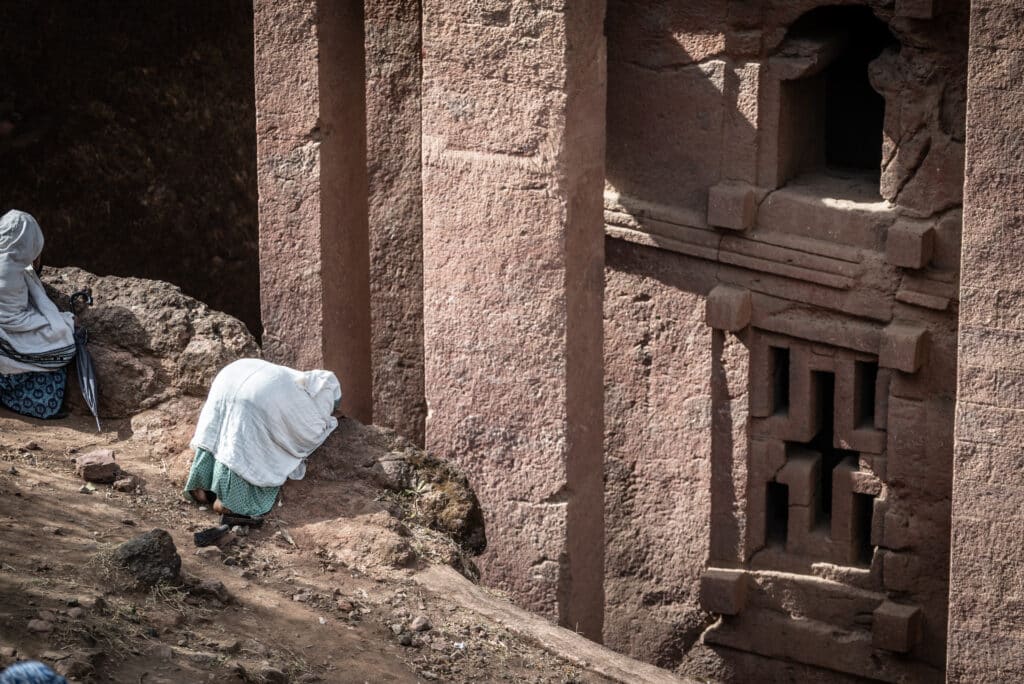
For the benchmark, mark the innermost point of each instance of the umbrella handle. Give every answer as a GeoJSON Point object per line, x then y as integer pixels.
{"type": "Point", "coordinates": [84, 296]}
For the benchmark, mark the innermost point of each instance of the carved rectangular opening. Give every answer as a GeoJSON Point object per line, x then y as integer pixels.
{"type": "Point", "coordinates": [865, 380]}
{"type": "Point", "coordinates": [824, 443]}
{"type": "Point", "coordinates": [854, 111]}
{"type": "Point", "coordinates": [830, 117]}
{"type": "Point", "coordinates": [780, 380]}
{"type": "Point", "coordinates": [863, 510]}
{"type": "Point", "coordinates": [777, 514]}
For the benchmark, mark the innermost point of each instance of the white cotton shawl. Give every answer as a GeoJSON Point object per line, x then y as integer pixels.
{"type": "Point", "coordinates": [262, 421]}
{"type": "Point", "coordinates": [34, 335]}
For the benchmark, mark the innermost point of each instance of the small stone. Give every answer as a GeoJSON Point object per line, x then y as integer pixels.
{"type": "Point", "coordinates": [57, 531]}
{"type": "Point", "coordinates": [40, 626]}
{"type": "Point", "coordinates": [128, 522]}
{"type": "Point", "coordinates": [163, 652]}
{"type": "Point", "coordinates": [75, 667]}
{"type": "Point", "coordinates": [214, 589]}
{"type": "Point", "coordinates": [12, 470]}
{"type": "Point", "coordinates": [8, 652]}
{"type": "Point", "coordinates": [203, 508]}
{"type": "Point", "coordinates": [76, 613]}
{"type": "Point", "coordinates": [209, 552]}
{"type": "Point", "coordinates": [233, 646]}
{"type": "Point", "coordinates": [151, 558]}
{"type": "Point", "coordinates": [345, 605]}
{"type": "Point", "coordinates": [322, 620]}
{"type": "Point", "coordinates": [30, 446]}
{"type": "Point", "coordinates": [47, 615]}
{"type": "Point", "coordinates": [396, 629]}
{"type": "Point", "coordinates": [420, 624]}
{"type": "Point", "coordinates": [240, 530]}
{"type": "Point", "coordinates": [98, 466]}
{"type": "Point", "coordinates": [86, 489]}
{"type": "Point", "coordinates": [271, 675]}
{"type": "Point", "coordinates": [125, 484]}
{"type": "Point", "coordinates": [405, 640]}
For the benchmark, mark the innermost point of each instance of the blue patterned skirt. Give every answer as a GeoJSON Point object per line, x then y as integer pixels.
{"type": "Point", "coordinates": [37, 395]}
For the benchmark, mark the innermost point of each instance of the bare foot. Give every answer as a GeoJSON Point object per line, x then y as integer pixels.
{"type": "Point", "coordinates": [218, 507]}
{"type": "Point", "coordinates": [198, 495]}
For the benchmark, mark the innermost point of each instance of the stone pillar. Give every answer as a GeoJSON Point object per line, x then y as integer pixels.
{"type": "Point", "coordinates": [393, 60]}
{"type": "Point", "coordinates": [311, 157]}
{"type": "Point", "coordinates": [513, 175]}
{"type": "Point", "coordinates": [987, 569]}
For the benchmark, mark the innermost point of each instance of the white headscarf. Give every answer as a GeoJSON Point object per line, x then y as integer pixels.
{"type": "Point", "coordinates": [34, 335]}
{"type": "Point", "coordinates": [263, 421]}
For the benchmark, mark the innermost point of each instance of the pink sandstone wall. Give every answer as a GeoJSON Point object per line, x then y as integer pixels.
{"type": "Point", "coordinates": [987, 581]}
{"type": "Point", "coordinates": [393, 71]}
{"type": "Point", "coordinates": [659, 361]}
{"type": "Point", "coordinates": [311, 150]}
{"type": "Point", "coordinates": [853, 279]}
{"type": "Point", "coordinates": [513, 136]}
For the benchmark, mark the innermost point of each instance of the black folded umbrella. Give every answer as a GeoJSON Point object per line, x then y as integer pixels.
{"type": "Point", "coordinates": [86, 371]}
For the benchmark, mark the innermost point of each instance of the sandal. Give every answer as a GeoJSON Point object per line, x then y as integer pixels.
{"type": "Point", "coordinates": [209, 536]}
{"type": "Point", "coordinates": [233, 519]}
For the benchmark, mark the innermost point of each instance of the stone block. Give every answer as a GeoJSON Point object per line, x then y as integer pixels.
{"type": "Point", "coordinates": [732, 206]}
{"type": "Point", "coordinates": [97, 466]}
{"type": "Point", "coordinates": [799, 541]}
{"type": "Point", "coordinates": [910, 244]}
{"type": "Point", "coordinates": [915, 9]}
{"type": "Point", "coordinates": [900, 571]}
{"type": "Point", "coordinates": [896, 627]}
{"type": "Point", "coordinates": [903, 346]}
{"type": "Point", "coordinates": [801, 474]}
{"type": "Point", "coordinates": [723, 591]}
{"type": "Point", "coordinates": [728, 308]}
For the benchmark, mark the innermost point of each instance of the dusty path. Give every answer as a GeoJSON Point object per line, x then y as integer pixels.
{"type": "Point", "coordinates": [294, 614]}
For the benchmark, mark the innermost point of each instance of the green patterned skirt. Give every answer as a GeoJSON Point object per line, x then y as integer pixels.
{"type": "Point", "coordinates": [233, 492]}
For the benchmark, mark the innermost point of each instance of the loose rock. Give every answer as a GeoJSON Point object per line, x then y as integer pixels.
{"type": "Point", "coordinates": [420, 624]}
{"type": "Point", "coordinates": [125, 484]}
{"type": "Point", "coordinates": [150, 558]}
{"type": "Point", "coordinates": [40, 626]}
{"type": "Point", "coordinates": [271, 675]}
{"type": "Point", "coordinates": [214, 589]}
{"type": "Point", "coordinates": [98, 466]}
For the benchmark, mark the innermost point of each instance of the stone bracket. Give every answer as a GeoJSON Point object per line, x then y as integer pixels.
{"type": "Point", "coordinates": [732, 205]}
{"type": "Point", "coordinates": [723, 591]}
{"type": "Point", "coordinates": [896, 627]}
{"type": "Point", "coordinates": [728, 308]}
{"type": "Point", "coordinates": [910, 244]}
{"type": "Point", "coordinates": [903, 347]}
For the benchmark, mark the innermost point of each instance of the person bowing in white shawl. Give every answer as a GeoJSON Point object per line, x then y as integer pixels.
{"type": "Point", "coordinates": [36, 340]}
{"type": "Point", "coordinates": [258, 426]}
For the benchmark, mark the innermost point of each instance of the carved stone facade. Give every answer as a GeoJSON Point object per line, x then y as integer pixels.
{"type": "Point", "coordinates": [782, 194]}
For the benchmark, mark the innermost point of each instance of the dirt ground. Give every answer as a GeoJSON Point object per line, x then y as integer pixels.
{"type": "Point", "coordinates": [288, 611]}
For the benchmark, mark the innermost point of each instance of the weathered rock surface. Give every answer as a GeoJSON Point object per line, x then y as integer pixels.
{"type": "Point", "coordinates": [150, 342]}
{"type": "Point", "coordinates": [149, 558]}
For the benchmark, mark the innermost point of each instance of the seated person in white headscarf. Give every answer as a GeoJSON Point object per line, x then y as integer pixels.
{"type": "Point", "coordinates": [36, 340]}
{"type": "Point", "coordinates": [259, 425]}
